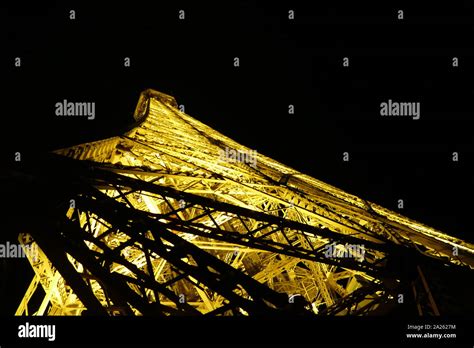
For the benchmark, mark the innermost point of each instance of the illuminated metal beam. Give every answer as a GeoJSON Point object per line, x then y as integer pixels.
{"type": "Point", "coordinates": [158, 221]}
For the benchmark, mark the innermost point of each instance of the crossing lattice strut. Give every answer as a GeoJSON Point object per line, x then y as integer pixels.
{"type": "Point", "coordinates": [159, 221]}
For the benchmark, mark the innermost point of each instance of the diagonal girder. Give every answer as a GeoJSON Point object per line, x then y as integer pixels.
{"type": "Point", "coordinates": [156, 221]}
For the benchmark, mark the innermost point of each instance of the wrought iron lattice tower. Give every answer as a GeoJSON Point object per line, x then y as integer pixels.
{"type": "Point", "coordinates": [174, 218]}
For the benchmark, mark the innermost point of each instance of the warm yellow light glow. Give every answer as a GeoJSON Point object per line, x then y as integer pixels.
{"type": "Point", "coordinates": [171, 149]}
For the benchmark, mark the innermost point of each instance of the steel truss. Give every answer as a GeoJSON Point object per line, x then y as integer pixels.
{"type": "Point", "coordinates": [157, 222]}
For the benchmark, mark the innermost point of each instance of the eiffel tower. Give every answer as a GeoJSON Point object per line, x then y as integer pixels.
{"type": "Point", "coordinates": [173, 218]}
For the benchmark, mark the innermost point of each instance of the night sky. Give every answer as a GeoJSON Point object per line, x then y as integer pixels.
{"type": "Point", "coordinates": [282, 62]}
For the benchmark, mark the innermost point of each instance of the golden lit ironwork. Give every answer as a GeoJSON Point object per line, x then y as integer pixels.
{"type": "Point", "coordinates": [167, 221]}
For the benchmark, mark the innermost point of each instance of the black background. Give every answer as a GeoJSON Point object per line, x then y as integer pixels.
{"type": "Point", "coordinates": [282, 62]}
